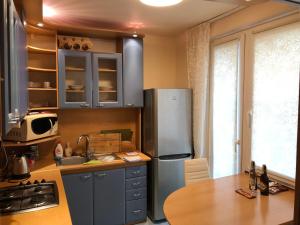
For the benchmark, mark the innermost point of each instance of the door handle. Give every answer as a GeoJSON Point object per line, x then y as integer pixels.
{"type": "Point", "coordinates": [137, 195]}
{"type": "Point", "coordinates": [250, 117]}
{"type": "Point", "coordinates": [136, 172]}
{"type": "Point", "coordinates": [100, 175]}
{"type": "Point", "coordinates": [85, 177]}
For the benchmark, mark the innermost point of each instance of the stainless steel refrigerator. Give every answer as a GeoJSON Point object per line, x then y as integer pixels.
{"type": "Point", "coordinates": [167, 139]}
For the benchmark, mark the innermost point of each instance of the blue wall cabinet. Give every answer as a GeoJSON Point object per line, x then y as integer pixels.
{"type": "Point", "coordinates": [79, 191]}
{"type": "Point", "coordinates": [133, 76]}
{"type": "Point", "coordinates": [75, 79]}
{"type": "Point", "coordinates": [107, 80]}
{"type": "Point", "coordinates": [109, 197]}
{"type": "Point", "coordinates": [13, 63]}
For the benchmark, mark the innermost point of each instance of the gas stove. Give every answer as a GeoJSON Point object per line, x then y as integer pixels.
{"type": "Point", "coordinates": [27, 197]}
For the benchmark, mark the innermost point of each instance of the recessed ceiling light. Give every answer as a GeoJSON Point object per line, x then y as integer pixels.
{"type": "Point", "coordinates": [24, 23]}
{"type": "Point", "coordinates": [40, 24]}
{"type": "Point", "coordinates": [248, 0]}
{"type": "Point", "coordinates": [160, 3]}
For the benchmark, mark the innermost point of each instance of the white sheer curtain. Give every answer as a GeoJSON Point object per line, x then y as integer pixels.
{"type": "Point", "coordinates": [198, 72]}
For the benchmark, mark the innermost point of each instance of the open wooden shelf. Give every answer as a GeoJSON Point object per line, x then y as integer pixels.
{"type": "Point", "coordinates": [40, 50]}
{"type": "Point", "coordinates": [107, 70]}
{"type": "Point", "coordinates": [74, 69]}
{"type": "Point", "coordinates": [41, 89]}
{"type": "Point", "coordinates": [41, 31]}
{"type": "Point", "coordinates": [34, 142]}
{"type": "Point", "coordinates": [40, 69]}
{"type": "Point", "coordinates": [43, 108]}
{"type": "Point", "coordinates": [111, 91]}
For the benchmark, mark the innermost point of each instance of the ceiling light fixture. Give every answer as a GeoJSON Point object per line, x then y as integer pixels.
{"type": "Point", "coordinates": [40, 24]}
{"type": "Point", "coordinates": [48, 11]}
{"type": "Point", "coordinates": [24, 23]}
{"type": "Point", "coordinates": [160, 3]}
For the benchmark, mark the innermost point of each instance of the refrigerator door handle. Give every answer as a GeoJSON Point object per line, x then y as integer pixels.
{"type": "Point", "coordinates": [174, 157]}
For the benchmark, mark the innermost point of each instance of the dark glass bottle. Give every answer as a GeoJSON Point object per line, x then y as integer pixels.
{"type": "Point", "coordinates": [264, 181]}
{"type": "Point", "coordinates": [252, 177]}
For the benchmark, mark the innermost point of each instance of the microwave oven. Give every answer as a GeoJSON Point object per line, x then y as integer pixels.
{"type": "Point", "coordinates": [34, 127]}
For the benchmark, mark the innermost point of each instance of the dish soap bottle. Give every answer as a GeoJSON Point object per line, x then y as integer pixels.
{"type": "Point", "coordinates": [68, 150]}
{"type": "Point", "coordinates": [252, 177]}
{"type": "Point", "coordinates": [58, 151]}
{"type": "Point", "coordinates": [264, 182]}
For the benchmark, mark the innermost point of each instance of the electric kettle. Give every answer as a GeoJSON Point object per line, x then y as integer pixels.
{"type": "Point", "coordinates": [20, 169]}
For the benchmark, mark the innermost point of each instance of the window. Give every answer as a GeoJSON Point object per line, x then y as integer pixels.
{"type": "Point", "coordinates": [275, 98]}
{"type": "Point", "coordinates": [225, 77]}
{"type": "Point", "coordinates": [266, 97]}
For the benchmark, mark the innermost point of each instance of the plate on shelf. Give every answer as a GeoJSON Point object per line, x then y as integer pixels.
{"type": "Point", "coordinates": [75, 87]}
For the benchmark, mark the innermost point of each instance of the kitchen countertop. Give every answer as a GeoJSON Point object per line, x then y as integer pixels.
{"type": "Point", "coordinates": [60, 215]}
{"type": "Point", "coordinates": [214, 202]}
{"type": "Point", "coordinates": [69, 169]}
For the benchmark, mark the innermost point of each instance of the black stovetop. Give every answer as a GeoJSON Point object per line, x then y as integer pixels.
{"type": "Point", "coordinates": [28, 197]}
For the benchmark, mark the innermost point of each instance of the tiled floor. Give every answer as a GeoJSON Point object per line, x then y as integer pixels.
{"type": "Point", "coordinates": [149, 222]}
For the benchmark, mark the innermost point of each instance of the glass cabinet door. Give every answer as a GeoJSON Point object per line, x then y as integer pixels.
{"type": "Point", "coordinates": [75, 78]}
{"type": "Point", "coordinates": [107, 82]}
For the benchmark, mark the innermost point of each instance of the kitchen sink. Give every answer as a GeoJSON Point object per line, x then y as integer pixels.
{"type": "Point", "coordinates": [73, 160]}
{"type": "Point", "coordinates": [106, 157]}
{"type": "Point", "coordinates": [77, 160]}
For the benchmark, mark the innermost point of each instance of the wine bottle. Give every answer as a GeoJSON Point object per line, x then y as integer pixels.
{"type": "Point", "coordinates": [264, 182]}
{"type": "Point", "coordinates": [252, 177]}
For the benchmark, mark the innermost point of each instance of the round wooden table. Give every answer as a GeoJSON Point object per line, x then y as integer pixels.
{"type": "Point", "coordinates": [214, 202]}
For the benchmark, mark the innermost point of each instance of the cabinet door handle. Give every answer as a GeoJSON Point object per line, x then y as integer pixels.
{"type": "Point", "coordinates": [101, 175]}
{"type": "Point", "coordinates": [100, 105]}
{"type": "Point", "coordinates": [85, 177]}
{"type": "Point", "coordinates": [130, 105]}
{"type": "Point", "coordinates": [137, 195]}
{"type": "Point", "coordinates": [85, 105]}
{"type": "Point", "coordinates": [136, 172]}
{"type": "Point", "coordinates": [137, 211]}
{"type": "Point", "coordinates": [136, 183]}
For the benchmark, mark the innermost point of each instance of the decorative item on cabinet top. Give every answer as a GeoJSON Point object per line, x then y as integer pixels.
{"type": "Point", "coordinates": [74, 43]}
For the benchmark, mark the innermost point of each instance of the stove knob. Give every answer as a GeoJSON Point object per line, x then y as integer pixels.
{"type": "Point", "coordinates": [28, 183]}
{"type": "Point", "coordinates": [36, 182]}
{"type": "Point", "coordinates": [43, 181]}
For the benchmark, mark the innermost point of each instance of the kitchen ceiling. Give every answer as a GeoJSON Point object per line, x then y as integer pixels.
{"type": "Point", "coordinates": [132, 15]}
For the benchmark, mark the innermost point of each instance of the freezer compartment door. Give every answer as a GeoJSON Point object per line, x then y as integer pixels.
{"type": "Point", "coordinates": [167, 177]}
{"type": "Point", "coordinates": [174, 131]}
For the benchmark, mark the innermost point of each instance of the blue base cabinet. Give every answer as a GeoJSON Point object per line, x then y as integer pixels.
{"type": "Point", "coordinates": [109, 197]}
{"type": "Point", "coordinates": [79, 191]}
{"type": "Point", "coordinates": [136, 194]}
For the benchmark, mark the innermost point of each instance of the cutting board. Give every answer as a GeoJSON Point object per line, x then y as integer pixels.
{"type": "Point", "coordinates": [105, 143]}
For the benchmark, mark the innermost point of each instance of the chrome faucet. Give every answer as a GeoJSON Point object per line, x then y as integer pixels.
{"type": "Point", "coordinates": [87, 141]}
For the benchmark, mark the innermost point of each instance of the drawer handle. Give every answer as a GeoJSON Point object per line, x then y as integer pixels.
{"type": "Point", "coordinates": [136, 183]}
{"type": "Point", "coordinates": [85, 177]}
{"type": "Point", "coordinates": [101, 175]}
{"type": "Point", "coordinates": [136, 172]}
{"type": "Point", "coordinates": [130, 105]}
{"type": "Point", "coordinates": [137, 211]}
{"type": "Point", "coordinates": [137, 195]}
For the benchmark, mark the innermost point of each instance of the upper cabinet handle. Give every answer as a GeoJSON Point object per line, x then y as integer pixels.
{"type": "Point", "coordinates": [85, 105]}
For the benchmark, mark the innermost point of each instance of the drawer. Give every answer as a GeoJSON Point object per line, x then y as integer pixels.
{"type": "Point", "coordinates": [136, 171]}
{"type": "Point", "coordinates": [136, 211]}
{"type": "Point", "coordinates": [136, 194]}
{"type": "Point", "coordinates": [136, 183]}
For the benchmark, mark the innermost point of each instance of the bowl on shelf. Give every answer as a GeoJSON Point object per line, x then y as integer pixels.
{"type": "Point", "coordinates": [32, 84]}
{"type": "Point", "coordinates": [76, 87]}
